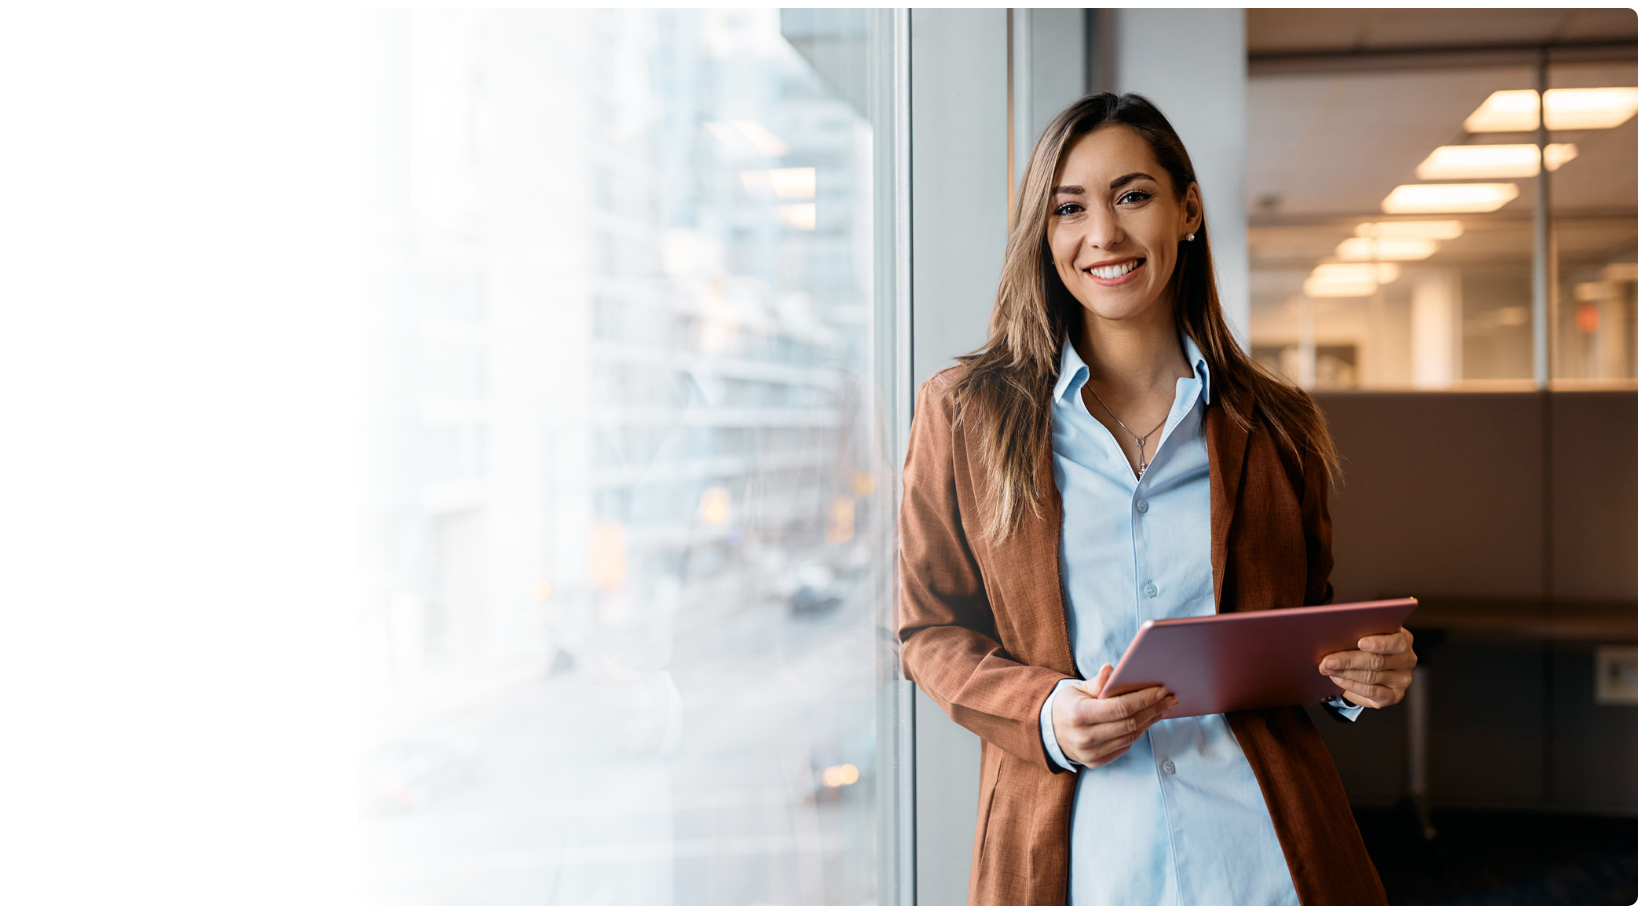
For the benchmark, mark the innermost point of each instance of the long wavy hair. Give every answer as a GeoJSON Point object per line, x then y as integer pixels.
{"type": "Point", "coordinates": [1003, 393]}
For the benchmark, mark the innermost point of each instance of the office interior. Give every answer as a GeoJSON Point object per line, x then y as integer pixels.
{"type": "Point", "coordinates": [647, 297]}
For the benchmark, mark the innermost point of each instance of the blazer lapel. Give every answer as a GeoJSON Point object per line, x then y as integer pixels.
{"type": "Point", "coordinates": [1225, 452]}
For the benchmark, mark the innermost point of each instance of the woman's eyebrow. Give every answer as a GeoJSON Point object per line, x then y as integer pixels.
{"type": "Point", "coordinates": [1068, 190]}
{"type": "Point", "coordinates": [1120, 181]}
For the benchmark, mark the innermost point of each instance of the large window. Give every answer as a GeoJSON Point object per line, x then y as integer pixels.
{"type": "Point", "coordinates": [629, 484]}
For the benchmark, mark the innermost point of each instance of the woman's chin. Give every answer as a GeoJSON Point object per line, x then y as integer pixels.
{"type": "Point", "coordinates": [1121, 311]}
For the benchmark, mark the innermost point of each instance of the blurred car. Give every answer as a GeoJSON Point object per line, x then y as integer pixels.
{"type": "Point", "coordinates": [812, 588]}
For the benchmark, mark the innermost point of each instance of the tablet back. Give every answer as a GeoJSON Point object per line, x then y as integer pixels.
{"type": "Point", "coordinates": [1250, 660]}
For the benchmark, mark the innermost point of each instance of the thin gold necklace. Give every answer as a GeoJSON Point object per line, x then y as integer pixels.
{"type": "Point", "coordinates": [1143, 464]}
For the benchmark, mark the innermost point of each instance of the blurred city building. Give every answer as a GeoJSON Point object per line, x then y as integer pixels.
{"type": "Point", "coordinates": [624, 469]}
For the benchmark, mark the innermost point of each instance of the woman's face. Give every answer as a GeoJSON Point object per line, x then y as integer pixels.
{"type": "Point", "coordinates": [1114, 223]}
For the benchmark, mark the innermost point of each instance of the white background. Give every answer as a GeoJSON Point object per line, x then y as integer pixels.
{"type": "Point", "coordinates": [177, 488]}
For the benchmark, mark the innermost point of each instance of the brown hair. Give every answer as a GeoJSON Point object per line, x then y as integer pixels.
{"type": "Point", "coordinates": [1005, 387]}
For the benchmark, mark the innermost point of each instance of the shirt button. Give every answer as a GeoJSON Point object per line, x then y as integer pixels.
{"type": "Point", "coordinates": [1150, 590]}
{"type": "Point", "coordinates": [1168, 767]}
{"type": "Point", "coordinates": [1143, 506]}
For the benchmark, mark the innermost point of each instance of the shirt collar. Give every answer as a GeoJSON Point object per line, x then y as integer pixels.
{"type": "Point", "coordinates": [1197, 359]}
{"type": "Point", "coordinates": [1072, 371]}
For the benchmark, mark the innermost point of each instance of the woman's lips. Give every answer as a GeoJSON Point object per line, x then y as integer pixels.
{"type": "Point", "coordinates": [1115, 281]}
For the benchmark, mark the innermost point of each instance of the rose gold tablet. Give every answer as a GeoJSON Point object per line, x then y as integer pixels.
{"type": "Point", "coordinates": [1252, 659]}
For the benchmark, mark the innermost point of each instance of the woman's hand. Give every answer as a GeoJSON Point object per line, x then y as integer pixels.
{"type": "Point", "coordinates": [1095, 731]}
{"type": "Point", "coordinates": [1375, 674]}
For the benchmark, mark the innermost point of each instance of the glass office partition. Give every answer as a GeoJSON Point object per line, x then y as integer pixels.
{"type": "Point", "coordinates": [629, 478]}
{"type": "Point", "coordinates": [1594, 203]}
{"type": "Point", "coordinates": [1391, 227]}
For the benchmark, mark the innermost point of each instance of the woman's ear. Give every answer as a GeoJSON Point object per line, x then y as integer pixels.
{"type": "Point", "coordinates": [1193, 209]}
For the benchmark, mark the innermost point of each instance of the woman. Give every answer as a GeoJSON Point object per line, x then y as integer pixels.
{"type": "Point", "coordinates": [1111, 456]}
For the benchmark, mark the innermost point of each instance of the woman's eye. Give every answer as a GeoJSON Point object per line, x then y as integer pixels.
{"type": "Point", "coordinates": [1066, 209]}
{"type": "Point", "coordinates": [1135, 196]}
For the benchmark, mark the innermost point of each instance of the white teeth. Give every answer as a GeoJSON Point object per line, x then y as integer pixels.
{"type": "Point", "coordinates": [1114, 271]}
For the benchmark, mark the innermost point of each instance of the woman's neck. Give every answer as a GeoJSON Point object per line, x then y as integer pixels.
{"type": "Point", "coordinates": [1131, 358]}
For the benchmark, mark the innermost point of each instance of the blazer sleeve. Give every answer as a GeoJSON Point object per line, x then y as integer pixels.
{"type": "Point", "coordinates": [947, 630]}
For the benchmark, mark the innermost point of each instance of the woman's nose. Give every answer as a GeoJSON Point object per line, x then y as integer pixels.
{"type": "Point", "coordinates": [1103, 229]}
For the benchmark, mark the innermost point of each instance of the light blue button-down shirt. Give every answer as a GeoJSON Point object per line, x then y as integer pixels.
{"type": "Point", "coordinates": [1178, 818]}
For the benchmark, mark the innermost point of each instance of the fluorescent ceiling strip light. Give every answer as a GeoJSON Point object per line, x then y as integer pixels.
{"type": "Point", "coordinates": [1362, 248]}
{"type": "Point", "coordinates": [1411, 229]}
{"type": "Point", "coordinates": [1356, 271]}
{"type": "Point", "coordinates": [1462, 162]}
{"type": "Point", "coordinates": [1348, 279]}
{"type": "Point", "coordinates": [1567, 108]}
{"type": "Point", "coordinates": [1314, 287]}
{"type": "Point", "coordinates": [1449, 198]}
{"type": "Point", "coordinates": [1590, 108]}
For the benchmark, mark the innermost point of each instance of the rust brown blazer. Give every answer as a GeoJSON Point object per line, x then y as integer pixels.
{"type": "Point", "coordinates": [983, 632]}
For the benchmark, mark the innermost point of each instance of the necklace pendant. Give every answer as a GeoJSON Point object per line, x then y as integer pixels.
{"type": "Point", "coordinates": [1142, 468]}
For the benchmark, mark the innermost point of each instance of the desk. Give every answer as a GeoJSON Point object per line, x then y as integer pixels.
{"type": "Point", "coordinates": [1531, 620]}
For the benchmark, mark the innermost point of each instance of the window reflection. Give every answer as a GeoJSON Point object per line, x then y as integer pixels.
{"type": "Point", "coordinates": [626, 488]}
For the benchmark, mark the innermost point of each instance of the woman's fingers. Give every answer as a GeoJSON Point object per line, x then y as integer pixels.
{"type": "Point", "coordinates": [1094, 687]}
{"type": "Point", "coordinates": [1126, 709]}
{"type": "Point", "coordinates": [1104, 724]}
{"type": "Point", "coordinates": [1113, 750]}
{"type": "Point", "coordinates": [1388, 643]}
{"type": "Point", "coordinates": [1372, 669]}
{"type": "Point", "coordinates": [1366, 701]}
{"type": "Point", "coordinates": [1374, 695]}
{"type": "Point", "coordinates": [1359, 662]}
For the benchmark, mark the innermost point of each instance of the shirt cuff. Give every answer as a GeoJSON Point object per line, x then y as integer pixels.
{"type": "Point", "coordinates": [1340, 707]}
{"type": "Point", "coordinates": [1049, 738]}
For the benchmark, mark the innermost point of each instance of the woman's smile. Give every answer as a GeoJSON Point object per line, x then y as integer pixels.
{"type": "Point", "coordinates": [1113, 274]}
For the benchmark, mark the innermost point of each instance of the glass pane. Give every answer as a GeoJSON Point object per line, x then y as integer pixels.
{"type": "Point", "coordinates": [628, 492]}
{"type": "Point", "coordinates": [1362, 276]}
{"type": "Point", "coordinates": [1595, 224]}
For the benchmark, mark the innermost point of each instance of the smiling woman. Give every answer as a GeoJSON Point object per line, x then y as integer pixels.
{"type": "Point", "coordinates": [1111, 456]}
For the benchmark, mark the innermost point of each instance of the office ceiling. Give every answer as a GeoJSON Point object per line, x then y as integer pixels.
{"type": "Point", "coordinates": [1325, 148]}
{"type": "Point", "coordinates": [1300, 31]}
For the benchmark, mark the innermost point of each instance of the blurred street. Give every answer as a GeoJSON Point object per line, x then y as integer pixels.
{"type": "Point", "coordinates": [576, 789]}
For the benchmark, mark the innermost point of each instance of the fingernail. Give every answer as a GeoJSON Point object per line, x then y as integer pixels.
{"type": "Point", "coordinates": [1337, 681]}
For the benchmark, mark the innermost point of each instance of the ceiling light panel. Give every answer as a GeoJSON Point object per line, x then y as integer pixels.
{"type": "Point", "coordinates": [1348, 279]}
{"type": "Point", "coordinates": [1590, 108]}
{"type": "Point", "coordinates": [1460, 162]}
{"type": "Point", "coordinates": [1504, 111]}
{"type": "Point", "coordinates": [1449, 198]}
{"type": "Point", "coordinates": [1362, 248]}
{"type": "Point", "coordinates": [1567, 108]}
{"type": "Point", "coordinates": [1411, 229]}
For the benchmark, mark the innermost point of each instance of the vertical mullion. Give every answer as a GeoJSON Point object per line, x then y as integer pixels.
{"type": "Point", "coordinates": [904, 787]}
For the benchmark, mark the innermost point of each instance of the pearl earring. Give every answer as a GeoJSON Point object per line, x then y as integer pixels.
{"type": "Point", "coordinates": [1191, 237]}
